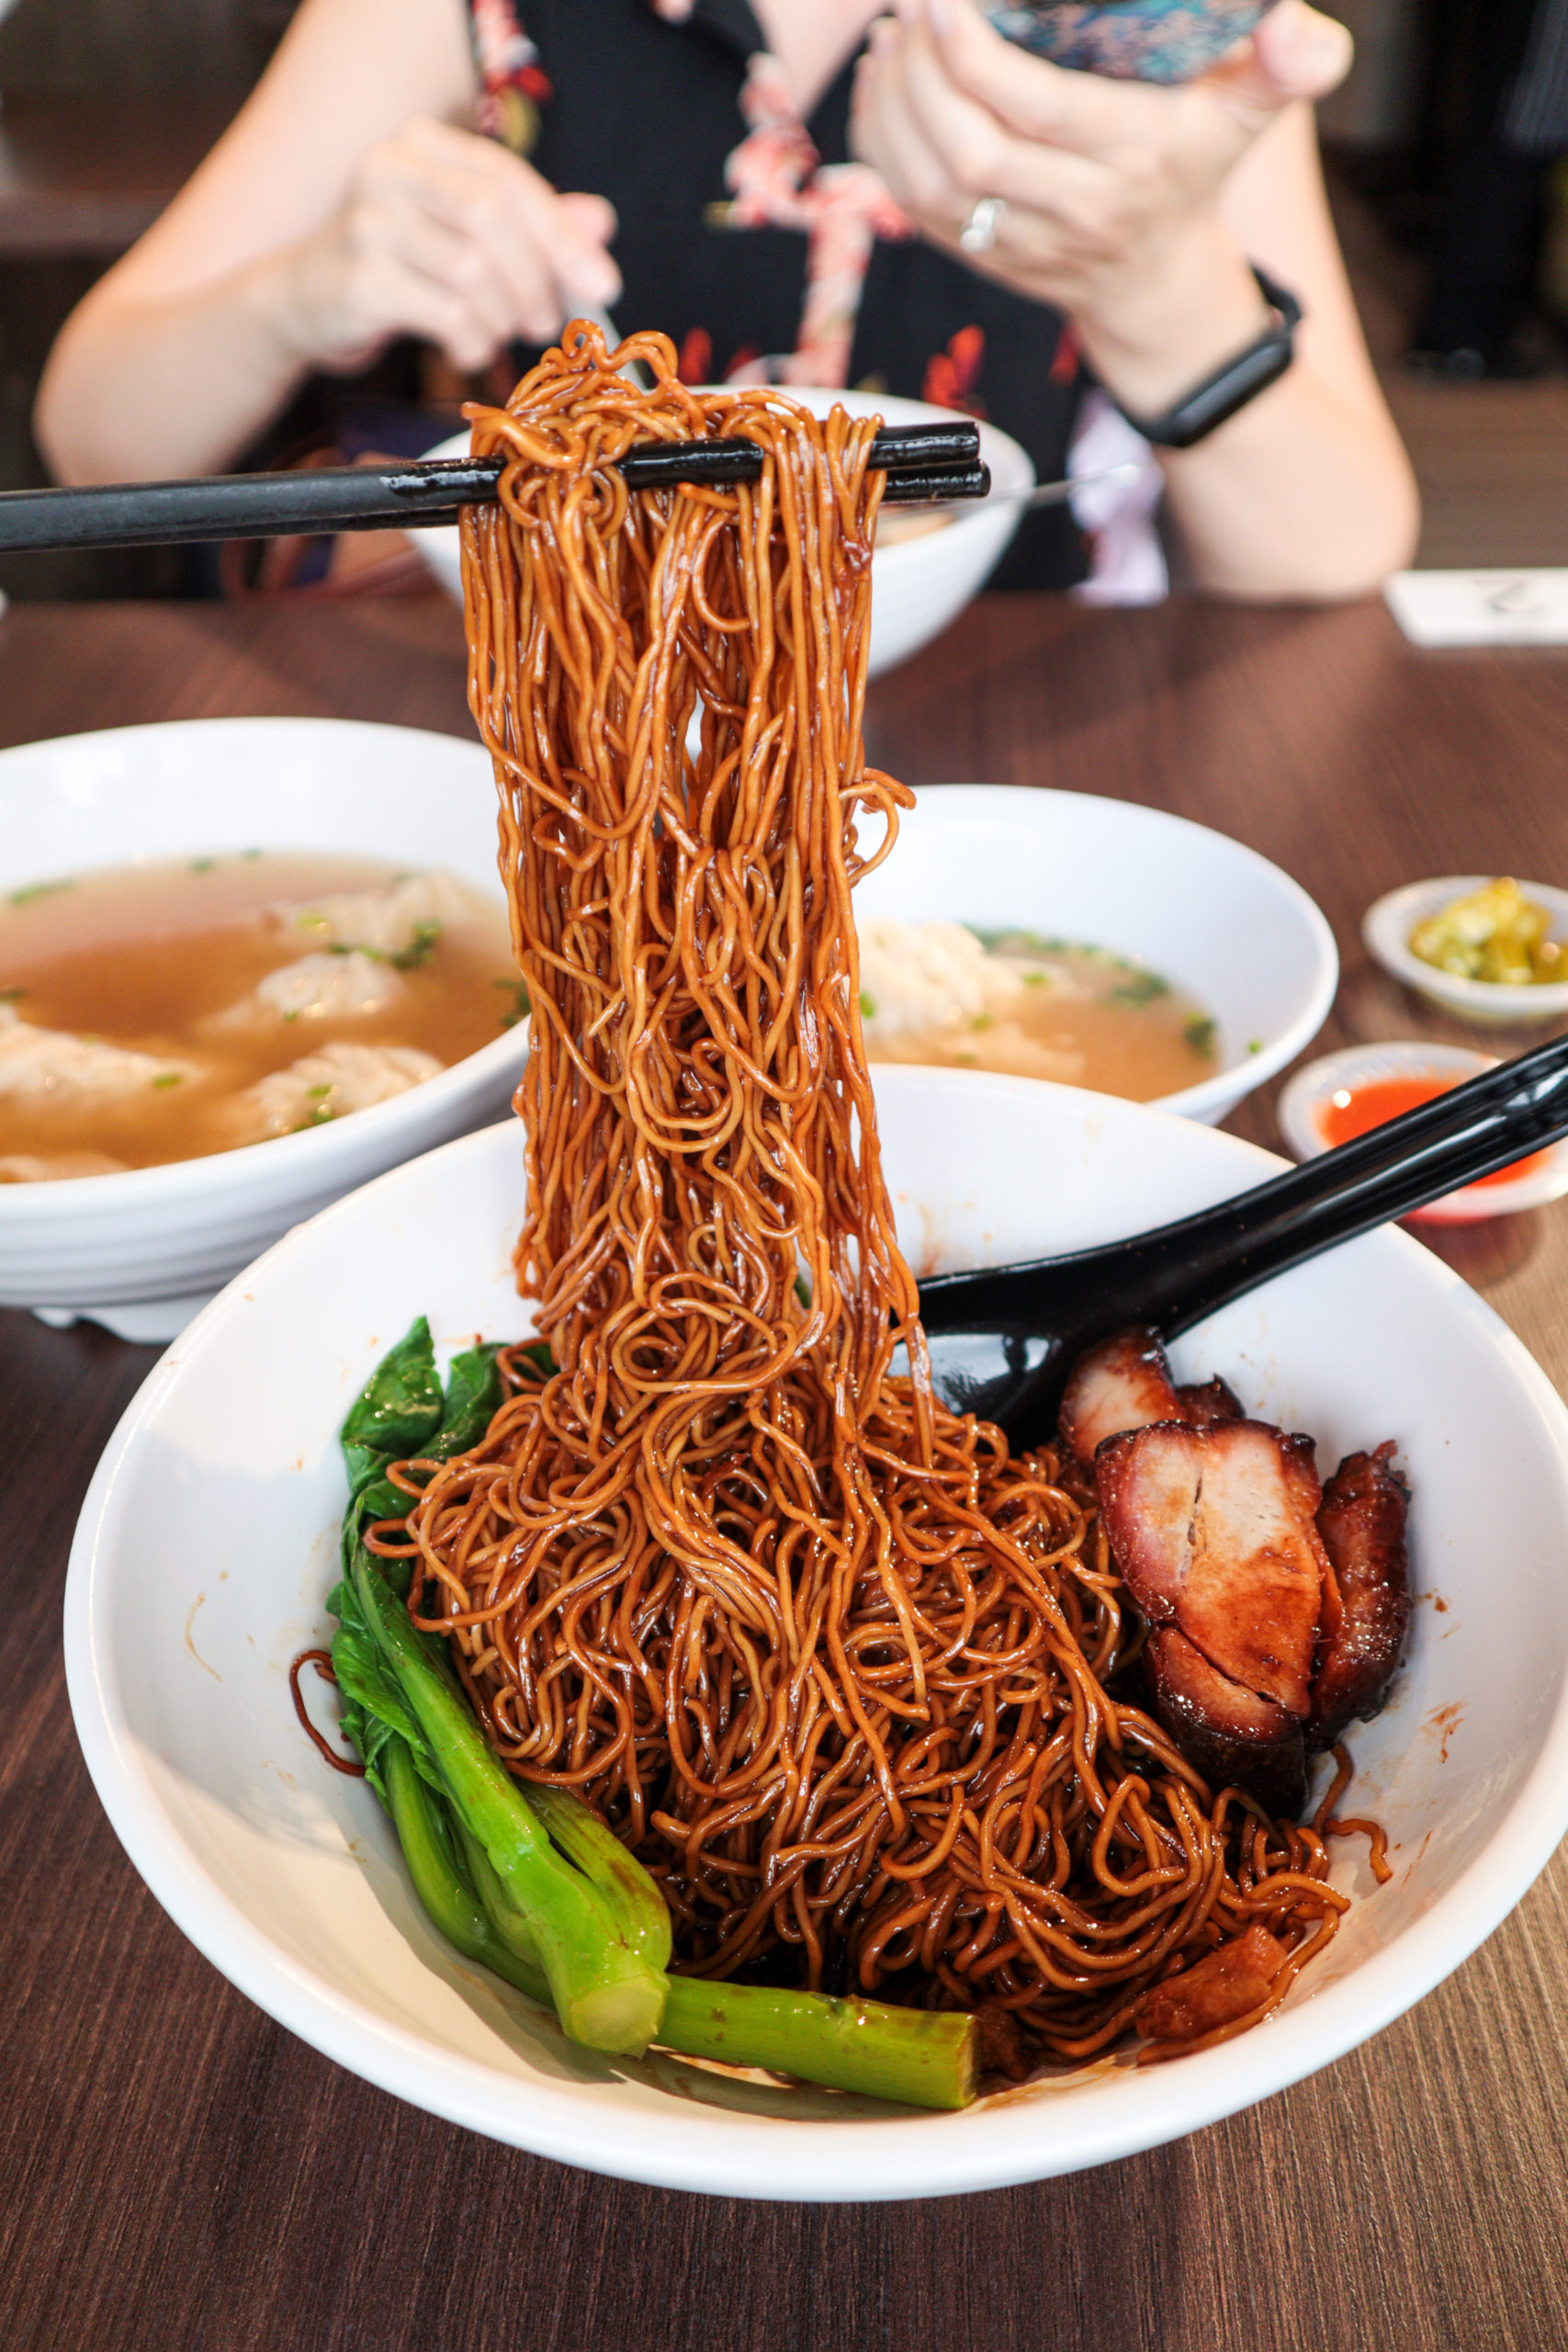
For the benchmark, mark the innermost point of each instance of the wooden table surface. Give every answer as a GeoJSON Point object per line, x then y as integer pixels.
{"type": "Point", "coordinates": [178, 2173]}
{"type": "Point", "coordinates": [82, 177]}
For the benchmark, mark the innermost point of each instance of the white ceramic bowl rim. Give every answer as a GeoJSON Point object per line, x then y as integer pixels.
{"type": "Point", "coordinates": [1160, 838]}
{"type": "Point", "coordinates": [175, 1177]}
{"type": "Point", "coordinates": [860, 2157]}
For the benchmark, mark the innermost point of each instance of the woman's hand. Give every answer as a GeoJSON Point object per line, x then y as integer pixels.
{"type": "Point", "coordinates": [1109, 191]}
{"type": "Point", "coordinates": [444, 235]}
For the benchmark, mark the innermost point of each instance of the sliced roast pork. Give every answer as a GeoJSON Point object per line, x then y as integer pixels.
{"type": "Point", "coordinates": [1366, 1606]}
{"type": "Point", "coordinates": [1123, 1384]}
{"type": "Point", "coordinates": [1213, 1531]}
{"type": "Point", "coordinates": [1213, 1401]}
{"type": "Point", "coordinates": [1227, 1732]}
{"type": "Point", "coordinates": [1224, 1985]}
{"type": "Point", "coordinates": [1278, 1610]}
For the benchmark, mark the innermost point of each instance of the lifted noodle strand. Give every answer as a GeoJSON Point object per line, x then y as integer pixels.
{"type": "Point", "coordinates": [820, 1649]}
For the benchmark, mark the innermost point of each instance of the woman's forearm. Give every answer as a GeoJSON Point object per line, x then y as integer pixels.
{"type": "Point", "coordinates": [142, 390]}
{"type": "Point", "coordinates": [1306, 491]}
{"type": "Point", "coordinates": [1301, 494]}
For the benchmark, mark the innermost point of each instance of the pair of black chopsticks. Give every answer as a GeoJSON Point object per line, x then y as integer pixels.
{"type": "Point", "coordinates": [922, 462]}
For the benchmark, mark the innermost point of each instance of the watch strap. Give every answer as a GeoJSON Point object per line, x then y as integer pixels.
{"type": "Point", "coordinates": [1240, 379]}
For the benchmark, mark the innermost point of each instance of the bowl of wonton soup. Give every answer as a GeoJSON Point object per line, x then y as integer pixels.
{"type": "Point", "coordinates": [368, 1040]}
{"type": "Point", "coordinates": [1092, 932]}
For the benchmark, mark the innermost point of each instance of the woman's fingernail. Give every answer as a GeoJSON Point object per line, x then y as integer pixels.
{"type": "Point", "coordinates": [1314, 47]}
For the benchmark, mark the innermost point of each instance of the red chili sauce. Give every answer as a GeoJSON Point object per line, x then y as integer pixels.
{"type": "Point", "coordinates": [1352, 1111]}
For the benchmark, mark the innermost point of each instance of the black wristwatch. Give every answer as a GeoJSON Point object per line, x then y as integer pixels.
{"type": "Point", "coordinates": [1230, 387]}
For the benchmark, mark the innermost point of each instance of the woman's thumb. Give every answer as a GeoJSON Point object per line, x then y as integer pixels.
{"type": "Point", "coordinates": [1296, 52]}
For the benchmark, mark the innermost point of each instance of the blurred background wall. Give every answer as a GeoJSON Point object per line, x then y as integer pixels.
{"type": "Point", "coordinates": [106, 105]}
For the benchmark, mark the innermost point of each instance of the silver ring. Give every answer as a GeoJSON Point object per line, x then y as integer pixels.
{"type": "Point", "coordinates": [978, 233]}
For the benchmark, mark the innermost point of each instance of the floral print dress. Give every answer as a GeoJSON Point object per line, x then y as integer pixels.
{"type": "Point", "coordinates": [756, 241]}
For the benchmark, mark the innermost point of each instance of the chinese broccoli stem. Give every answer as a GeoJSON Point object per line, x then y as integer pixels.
{"type": "Point", "coordinates": [441, 1882]}
{"type": "Point", "coordinates": [917, 2056]}
{"type": "Point", "coordinates": [920, 2057]}
{"type": "Point", "coordinates": [606, 1994]}
{"type": "Point", "coordinates": [640, 1911]}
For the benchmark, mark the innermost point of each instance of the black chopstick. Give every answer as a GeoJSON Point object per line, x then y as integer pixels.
{"type": "Point", "coordinates": [922, 462]}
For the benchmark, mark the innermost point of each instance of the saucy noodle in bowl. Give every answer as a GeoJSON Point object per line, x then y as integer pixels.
{"type": "Point", "coordinates": [207, 1544]}
{"type": "Point", "coordinates": [280, 909]}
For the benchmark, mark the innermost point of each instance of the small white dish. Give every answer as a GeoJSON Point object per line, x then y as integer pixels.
{"type": "Point", "coordinates": [918, 585]}
{"type": "Point", "coordinates": [1388, 922]}
{"type": "Point", "coordinates": [1307, 1099]}
{"type": "Point", "coordinates": [141, 1250]}
{"type": "Point", "coordinates": [1217, 921]}
{"type": "Point", "coordinates": [207, 1546]}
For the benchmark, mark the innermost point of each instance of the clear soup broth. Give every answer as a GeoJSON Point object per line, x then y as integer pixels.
{"type": "Point", "coordinates": [164, 1012]}
{"type": "Point", "coordinates": [1033, 1007]}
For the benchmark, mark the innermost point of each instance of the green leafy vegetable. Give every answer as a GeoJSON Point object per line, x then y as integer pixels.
{"type": "Point", "coordinates": [473, 1393]}
{"type": "Point", "coordinates": [401, 1406]}
{"type": "Point", "coordinates": [25, 897]}
{"type": "Point", "coordinates": [868, 1007]}
{"type": "Point", "coordinates": [1198, 1032]}
{"type": "Point", "coordinates": [442, 1878]}
{"type": "Point", "coordinates": [167, 1078]}
{"type": "Point", "coordinates": [534, 1885]}
{"type": "Point", "coordinates": [606, 1994]}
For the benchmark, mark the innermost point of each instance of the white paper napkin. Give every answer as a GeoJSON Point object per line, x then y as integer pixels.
{"type": "Point", "coordinates": [1519, 608]}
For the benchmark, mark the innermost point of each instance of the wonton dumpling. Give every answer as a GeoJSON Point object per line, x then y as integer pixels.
{"type": "Point", "coordinates": [930, 976]}
{"type": "Point", "coordinates": [391, 922]}
{"type": "Point", "coordinates": [42, 1168]}
{"type": "Point", "coordinates": [52, 1064]}
{"type": "Point", "coordinates": [331, 1084]}
{"type": "Point", "coordinates": [317, 987]}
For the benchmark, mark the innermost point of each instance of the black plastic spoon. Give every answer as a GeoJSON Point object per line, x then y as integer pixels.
{"type": "Point", "coordinates": [1003, 1340]}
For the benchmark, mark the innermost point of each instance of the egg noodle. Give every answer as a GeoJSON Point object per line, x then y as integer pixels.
{"type": "Point", "coordinates": [849, 1677]}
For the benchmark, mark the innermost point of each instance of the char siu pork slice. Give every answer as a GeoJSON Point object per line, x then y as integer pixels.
{"type": "Point", "coordinates": [1227, 1732]}
{"type": "Point", "coordinates": [1366, 1606]}
{"type": "Point", "coordinates": [1226, 1983]}
{"type": "Point", "coordinates": [1214, 1401]}
{"type": "Point", "coordinates": [1123, 1384]}
{"type": "Point", "coordinates": [1213, 1531]}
